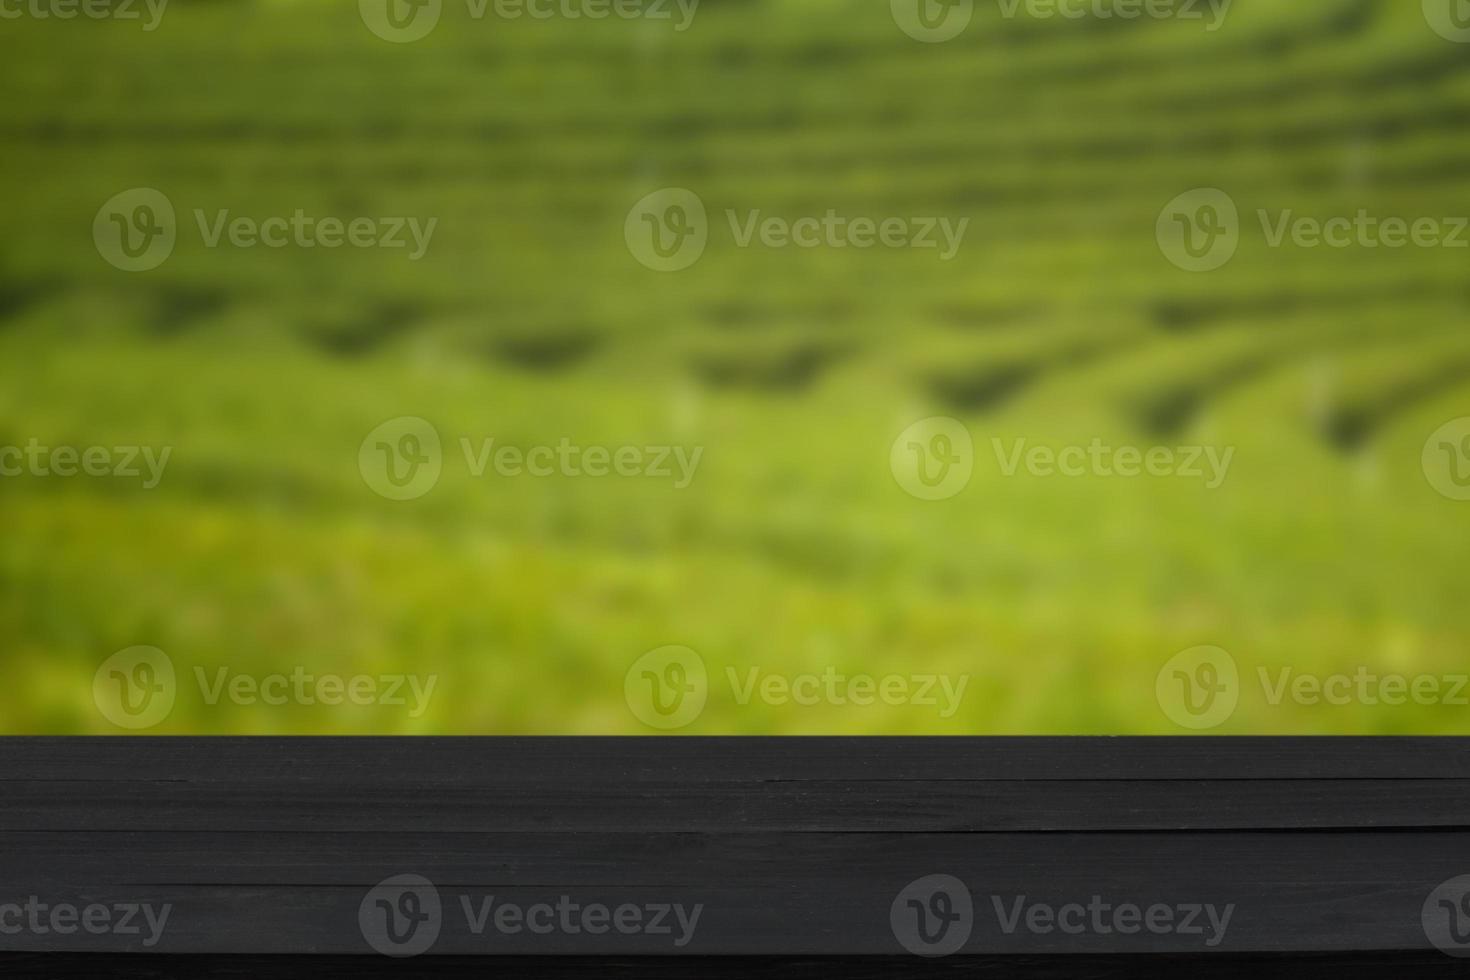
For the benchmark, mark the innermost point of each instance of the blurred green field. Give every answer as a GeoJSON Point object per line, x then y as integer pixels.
{"type": "Point", "coordinates": [794, 549]}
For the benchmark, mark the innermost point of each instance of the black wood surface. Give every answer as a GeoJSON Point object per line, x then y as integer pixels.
{"type": "Point", "coordinates": [1355, 966]}
{"type": "Point", "coordinates": [1327, 853]}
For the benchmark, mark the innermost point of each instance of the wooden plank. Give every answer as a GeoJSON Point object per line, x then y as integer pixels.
{"type": "Point", "coordinates": [643, 806]}
{"type": "Point", "coordinates": [695, 759]}
{"type": "Point", "coordinates": [786, 847]}
{"type": "Point", "coordinates": [1354, 966]}
{"type": "Point", "coordinates": [766, 894]}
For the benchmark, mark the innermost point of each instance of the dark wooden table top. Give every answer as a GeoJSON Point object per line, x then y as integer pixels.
{"type": "Point", "coordinates": [866, 857]}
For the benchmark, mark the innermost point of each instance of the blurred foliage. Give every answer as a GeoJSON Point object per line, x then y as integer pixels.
{"type": "Point", "coordinates": [794, 549]}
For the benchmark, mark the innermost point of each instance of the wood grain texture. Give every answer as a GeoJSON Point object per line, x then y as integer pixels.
{"type": "Point", "coordinates": [759, 759]}
{"type": "Point", "coordinates": [792, 850]}
{"type": "Point", "coordinates": [1356, 966]}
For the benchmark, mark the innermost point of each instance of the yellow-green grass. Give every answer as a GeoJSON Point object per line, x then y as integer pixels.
{"type": "Point", "coordinates": [794, 550]}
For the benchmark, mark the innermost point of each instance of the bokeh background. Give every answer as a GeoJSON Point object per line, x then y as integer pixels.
{"type": "Point", "coordinates": [795, 549]}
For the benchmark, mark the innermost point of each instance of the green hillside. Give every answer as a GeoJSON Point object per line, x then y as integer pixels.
{"type": "Point", "coordinates": [1060, 321]}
